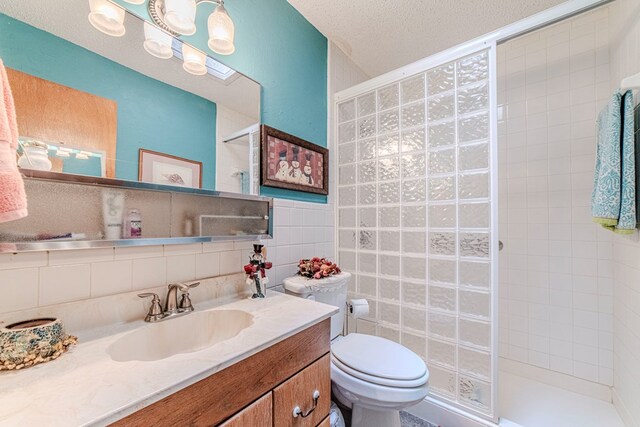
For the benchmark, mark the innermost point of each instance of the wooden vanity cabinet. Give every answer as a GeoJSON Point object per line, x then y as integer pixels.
{"type": "Point", "coordinates": [257, 414]}
{"type": "Point", "coordinates": [298, 392]}
{"type": "Point", "coordinates": [259, 391]}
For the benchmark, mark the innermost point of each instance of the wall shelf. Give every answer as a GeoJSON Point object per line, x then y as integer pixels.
{"type": "Point", "coordinates": [66, 203]}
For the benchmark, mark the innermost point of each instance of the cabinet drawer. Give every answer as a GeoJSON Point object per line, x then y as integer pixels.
{"type": "Point", "coordinates": [298, 391]}
{"type": "Point", "coordinates": [258, 414]}
{"type": "Point", "coordinates": [325, 423]}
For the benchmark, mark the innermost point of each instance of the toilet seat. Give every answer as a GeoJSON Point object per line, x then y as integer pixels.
{"type": "Point", "coordinates": [350, 390]}
{"type": "Point", "coordinates": [378, 361]}
{"type": "Point", "coordinates": [378, 380]}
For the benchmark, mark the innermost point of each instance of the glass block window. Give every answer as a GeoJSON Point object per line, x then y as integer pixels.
{"type": "Point", "coordinates": [414, 220]}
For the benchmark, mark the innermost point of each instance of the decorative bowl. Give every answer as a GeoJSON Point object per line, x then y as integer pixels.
{"type": "Point", "coordinates": [30, 342]}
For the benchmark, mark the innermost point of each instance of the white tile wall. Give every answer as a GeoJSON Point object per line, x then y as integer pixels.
{"type": "Point", "coordinates": [625, 61]}
{"type": "Point", "coordinates": [556, 293]}
{"type": "Point", "coordinates": [301, 230]}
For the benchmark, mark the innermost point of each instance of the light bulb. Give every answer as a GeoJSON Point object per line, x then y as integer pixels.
{"type": "Point", "coordinates": [221, 31]}
{"type": "Point", "coordinates": [107, 17]}
{"type": "Point", "coordinates": [157, 42]}
{"type": "Point", "coordinates": [180, 16]}
{"type": "Point", "coordinates": [194, 60]}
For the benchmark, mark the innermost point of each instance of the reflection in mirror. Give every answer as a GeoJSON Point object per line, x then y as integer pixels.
{"type": "Point", "coordinates": [92, 104]}
{"type": "Point", "coordinates": [58, 157]}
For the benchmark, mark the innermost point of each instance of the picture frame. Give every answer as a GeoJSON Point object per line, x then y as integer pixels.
{"type": "Point", "coordinates": [292, 163]}
{"type": "Point", "coordinates": [165, 169]}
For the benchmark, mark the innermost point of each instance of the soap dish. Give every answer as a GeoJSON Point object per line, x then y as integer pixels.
{"type": "Point", "coordinates": [31, 342]}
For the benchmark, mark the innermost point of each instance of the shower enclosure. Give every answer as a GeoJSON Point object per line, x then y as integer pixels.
{"type": "Point", "coordinates": [417, 218]}
{"type": "Point", "coordinates": [416, 197]}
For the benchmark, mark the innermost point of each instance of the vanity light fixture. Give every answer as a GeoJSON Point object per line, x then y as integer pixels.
{"type": "Point", "coordinates": [157, 42]}
{"type": "Point", "coordinates": [81, 156]}
{"type": "Point", "coordinates": [160, 40]}
{"type": "Point", "coordinates": [107, 17]}
{"type": "Point", "coordinates": [178, 18]}
{"type": "Point", "coordinates": [193, 61]}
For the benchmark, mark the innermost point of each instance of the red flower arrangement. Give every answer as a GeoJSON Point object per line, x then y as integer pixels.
{"type": "Point", "coordinates": [317, 268]}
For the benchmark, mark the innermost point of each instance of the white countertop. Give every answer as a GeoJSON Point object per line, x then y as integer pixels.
{"type": "Point", "coordinates": [85, 387]}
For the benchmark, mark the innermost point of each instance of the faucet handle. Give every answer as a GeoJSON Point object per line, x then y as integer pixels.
{"type": "Point", "coordinates": [185, 301]}
{"type": "Point", "coordinates": [148, 295]}
{"type": "Point", "coordinates": [155, 311]}
{"type": "Point", "coordinates": [190, 285]}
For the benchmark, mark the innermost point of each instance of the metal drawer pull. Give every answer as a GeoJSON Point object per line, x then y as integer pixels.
{"type": "Point", "coordinates": [298, 412]}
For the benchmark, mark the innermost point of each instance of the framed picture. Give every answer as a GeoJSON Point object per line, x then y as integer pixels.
{"type": "Point", "coordinates": [293, 163]}
{"type": "Point", "coordinates": [165, 169]}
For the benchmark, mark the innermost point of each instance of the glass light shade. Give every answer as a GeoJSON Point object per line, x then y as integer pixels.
{"type": "Point", "coordinates": [157, 42]}
{"type": "Point", "coordinates": [180, 16]}
{"type": "Point", "coordinates": [194, 60]}
{"type": "Point", "coordinates": [221, 31]}
{"type": "Point", "coordinates": [107, 17]}
{"type": "Point", "coordinates": [82, 156]}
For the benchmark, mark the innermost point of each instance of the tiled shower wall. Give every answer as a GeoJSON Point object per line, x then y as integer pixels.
{"type": "Point", "coordinates": [414, 219]}
{"type": "Point", "coordinates": [625, 61]}
{"type": "Point", "coordinates": [556, 269]}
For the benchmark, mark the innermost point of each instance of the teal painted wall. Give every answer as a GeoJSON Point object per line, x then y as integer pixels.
{"type": "Point", "coordinates": [281, 50]}
{"type": "Point", "coordinates": [151, 114]}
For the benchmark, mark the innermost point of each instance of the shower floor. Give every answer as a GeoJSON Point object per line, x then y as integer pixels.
{"type": "Point", "coordinates": [533, 404]}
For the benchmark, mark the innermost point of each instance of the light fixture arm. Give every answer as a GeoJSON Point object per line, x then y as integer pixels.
{"type": "Point", "coordinates": [157, 10]}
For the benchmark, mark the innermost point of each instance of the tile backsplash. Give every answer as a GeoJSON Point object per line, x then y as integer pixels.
{"type": "Point", "coordinates": [58, 277]}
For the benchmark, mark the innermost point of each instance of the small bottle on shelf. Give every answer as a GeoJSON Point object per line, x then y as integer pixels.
{"type": "Point", "coordinates": [133, 224]}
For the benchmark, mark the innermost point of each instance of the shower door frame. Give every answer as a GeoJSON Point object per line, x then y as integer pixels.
{"type": "Point", "coordinates": [489, 43]}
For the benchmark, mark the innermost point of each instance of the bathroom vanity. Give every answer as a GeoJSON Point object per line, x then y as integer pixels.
{"type": "Point", "coordinates": [269, 385]}
{"type": "Point", "coordinates": [274, 361]}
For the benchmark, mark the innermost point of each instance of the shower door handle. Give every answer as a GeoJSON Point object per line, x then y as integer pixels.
{"type": "Point", "coordinates": [500, 245]}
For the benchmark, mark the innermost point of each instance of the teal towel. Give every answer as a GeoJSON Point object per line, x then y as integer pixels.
{"type": "Point", "coordinates": [613, 202]}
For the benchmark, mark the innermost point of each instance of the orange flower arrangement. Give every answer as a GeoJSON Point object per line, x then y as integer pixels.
{"type": "Point", "coordinates": [317, 268]}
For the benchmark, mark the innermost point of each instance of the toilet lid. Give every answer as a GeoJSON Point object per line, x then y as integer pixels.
{"type": "Point", "coordinates": [302, 285]}
{"type": "Point", "coordinates": [379, 360]}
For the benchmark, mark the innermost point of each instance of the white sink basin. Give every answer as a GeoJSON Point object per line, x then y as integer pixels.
{"type": "Point", "coordinates": [186, 334]}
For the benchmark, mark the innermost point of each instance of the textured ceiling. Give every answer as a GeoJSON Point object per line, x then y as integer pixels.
{"type": "Point", "coordinates": [68, 19]}
{"type": "Point", "coordinates": [382, 35]}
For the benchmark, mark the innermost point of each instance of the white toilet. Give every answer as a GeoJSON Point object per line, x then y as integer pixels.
{"type": "Point", "coordinates": [373, 376]}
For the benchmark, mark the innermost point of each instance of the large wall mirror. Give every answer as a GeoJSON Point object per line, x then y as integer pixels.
{"type": "Point", "coordinates": [91, 104]}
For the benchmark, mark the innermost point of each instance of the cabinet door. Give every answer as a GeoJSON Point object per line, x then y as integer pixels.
{"type": "Point", "coordinates": [258, 414]}
{"type": "Point", "coordinates": [298, 392]}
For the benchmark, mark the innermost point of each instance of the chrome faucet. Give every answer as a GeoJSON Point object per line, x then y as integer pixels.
{"type": "Point", "coordinates": [171, 306]}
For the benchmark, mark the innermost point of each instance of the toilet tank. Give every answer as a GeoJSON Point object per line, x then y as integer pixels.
{"type": "Point", "coordinates": [330, 290]}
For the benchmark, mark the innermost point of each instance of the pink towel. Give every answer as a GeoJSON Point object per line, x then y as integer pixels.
{"type": "Point", "coordinates": [13, 199]}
